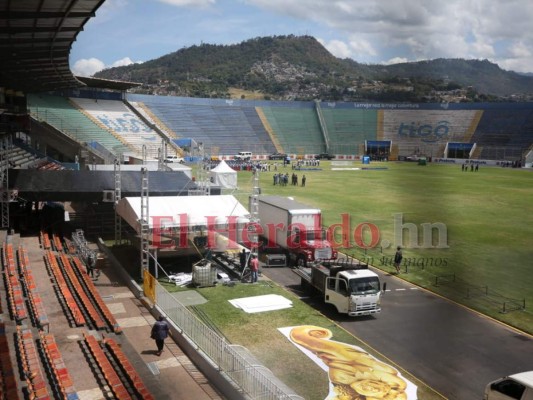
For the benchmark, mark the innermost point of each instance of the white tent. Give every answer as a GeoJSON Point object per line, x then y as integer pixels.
{"type": "Point", "coordinates": [178, 211]}
{"type": "Point", "coordinates": [224, 176]}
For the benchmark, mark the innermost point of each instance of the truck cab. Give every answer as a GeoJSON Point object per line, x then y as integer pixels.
{"type": "Point", "coordinates": [354, 292]}
{"type": "Point", "coordinates": [513, 387]}
{"type": "Point", "coordinates": [311, 245]}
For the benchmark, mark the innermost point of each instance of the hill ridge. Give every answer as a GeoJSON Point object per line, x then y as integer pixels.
{"type": "Point", "coordinates": [300, 68]}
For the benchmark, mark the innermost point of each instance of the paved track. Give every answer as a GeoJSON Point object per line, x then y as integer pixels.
{"type": "Point", "coordinates": [450, 348]}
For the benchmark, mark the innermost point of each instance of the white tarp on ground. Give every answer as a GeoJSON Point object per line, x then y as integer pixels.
{"type": "Point", "coordinates": [191, 211]}
{"type": "Point", "coordinates": [268, 302]}
{"type": "Point", "coordinates": [224, 176]}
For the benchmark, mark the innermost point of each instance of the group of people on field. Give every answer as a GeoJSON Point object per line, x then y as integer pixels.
{"type": "Point", "coordinates": [283, 179]}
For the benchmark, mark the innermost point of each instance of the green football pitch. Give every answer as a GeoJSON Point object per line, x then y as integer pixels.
{"type": "Point", "coordinates": [466, 235]}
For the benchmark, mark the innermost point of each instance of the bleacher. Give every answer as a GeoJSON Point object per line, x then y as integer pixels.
{"type": "Point", "coordinates": [60, 113]}
{"type": "Point", "coordinates": [115, 116]}
{"type": "Point", "coordinates": [225, 127]}
{"type": "Point", "coordinates": [348, 129]}
{"type": "Point", "coordinates": [17, 157]}
{"type": "Point", "coordinates": [296, 128]}
{"type": "Point", "coordinates": [503, 134]}
{"type": "Point", "coordinates": [40, 372]}
{"type": "Point", "coordinates": [426, 131]}
{"type": "Point", "coordinates": [8, 379]}
{"type": "Point", "coordinates": [152, 119]}
{"type": "Point", "coordinates": [220, 124]}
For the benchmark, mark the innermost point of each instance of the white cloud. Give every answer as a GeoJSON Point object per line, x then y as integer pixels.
{"type": "Point", "coordinates": [337, 47]}
{"type": "Point", "coordinates": [416, 29]}
{"type": "Point", "coordinates": [122, 62]}
{"type": "Point", "coordinates": [189, 3]}
{"type": "Point", "coordinates": [396, 60]}
{"type": "Point", "coordinates": [519, 58]}
{"type": "Point", "coordinates": [108, 11]}
{"type": "Point", "coordinates": [373, 32]}
{"type": "Point", "coordinates": [520, 50]}
{"type": "Point", "coordinates": [355, 48]}
{"type": "Point", "coordinates": [87, 67]}
{"type": "Point", "coordinates": [362, 47]}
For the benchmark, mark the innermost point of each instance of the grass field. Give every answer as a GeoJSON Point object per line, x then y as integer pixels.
{"type": "Point", "coordinates": [484, 218]}
{"type": "Point", "coordinates": [486, 261]}
{"type": "Point", "coordinates": [259, 334]}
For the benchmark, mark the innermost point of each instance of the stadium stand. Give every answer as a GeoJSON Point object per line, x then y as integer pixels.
{"type": "Point", "coordinates": [168, 135]}
{"type": "Point", "coordinates": [20, 155]}
{"type": "Point", "coordinates": [349, 129]}
{"type": "Point", "coordinates": [214, 123]}
{"type": "Point", "coordinates": [152, 119]}
{"type": "Point", "coordinates": [63, 289]}
{"type": "Point", "coordinates": [296, 129]}
{"type": "Point", "coordinates": [425, 131]}
{"type": "Point", "coordinates": [15, 293]}
{"type": "Point", "coordinates": [128, 369]}
{"type": "Point", "coordinates": [60, 113]}
{"type": "Point", "coordinates": [116, 117]}
{"type": "Point", "coordinates": [109, 373]}
{"type": "Point", "coordinates": [36, 382]}
{"type": "Point", "coordinates": [54, 364]}
{"type": "Point", "coordinates": [504, 133]}
{"type": "Point", "coordinates": [8, 381]}
{"type": "Point", "coordinates": [225, 127]}
{"type": "Point", "coordinates": [36, 304]}
{"type": "Point", "coordinates": [17, 157]}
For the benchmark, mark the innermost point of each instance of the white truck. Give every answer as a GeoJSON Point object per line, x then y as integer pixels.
{"type": "Point", "coordinates": [517, 387]}
{"type": "Point", "coordinates": [293, 228]}
{"type": "Point", "coordinates": [350, 286]}
{"type": "Point", "coordinates": [243, 156]}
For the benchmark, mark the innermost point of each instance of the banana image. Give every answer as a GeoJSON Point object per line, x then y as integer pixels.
{"type": "Point", "coordinates": [354, 374]}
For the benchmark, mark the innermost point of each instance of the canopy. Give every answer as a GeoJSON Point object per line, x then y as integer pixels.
{"type": "Point", "coordinates": [224, 176]}
{"type": "Point", "coordinates": [177, 211]}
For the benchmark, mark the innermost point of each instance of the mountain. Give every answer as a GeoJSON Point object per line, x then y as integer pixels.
{"type": "Point", "coordinates": [299, 67]}
{"type": "Point", "coordinates": [484, 76]}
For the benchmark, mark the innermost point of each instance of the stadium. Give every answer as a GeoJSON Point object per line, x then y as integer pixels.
{"type": "Point", "coordinates": [85, 171]}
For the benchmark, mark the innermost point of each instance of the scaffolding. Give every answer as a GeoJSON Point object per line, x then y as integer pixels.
{"type": "Point", "coordinates": [116, 198]}
{"type": "Point", "coordinates": [7, 196]}
{"type": "Point", "coordinates": [144, 224]}
{"type": "Point", "coordinates": [203, 185]}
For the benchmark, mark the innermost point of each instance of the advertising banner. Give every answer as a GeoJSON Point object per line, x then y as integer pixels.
{"type": "Point", "coordinates": [353, 373]}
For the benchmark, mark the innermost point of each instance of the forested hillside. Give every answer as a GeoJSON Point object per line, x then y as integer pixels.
{"type": "Point", "coordinates": [300, 68]}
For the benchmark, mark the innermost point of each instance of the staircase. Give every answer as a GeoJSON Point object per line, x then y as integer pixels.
{"type": "Point", "coordinates": [270, 131]}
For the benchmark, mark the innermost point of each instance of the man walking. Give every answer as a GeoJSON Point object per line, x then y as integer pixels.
{"type": "Point", "coordinates": [91, 264]}
{"type": "Point", "coordinates": [398, 259]}
{"type": "Point", "coordinates": [160, 333]}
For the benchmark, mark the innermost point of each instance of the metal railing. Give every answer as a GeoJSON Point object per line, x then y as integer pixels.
{"type": "Point", "coordinates": [255, 380]}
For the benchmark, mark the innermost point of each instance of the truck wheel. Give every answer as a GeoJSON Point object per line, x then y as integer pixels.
{"type": "Point", "coordinates": [301, 262]}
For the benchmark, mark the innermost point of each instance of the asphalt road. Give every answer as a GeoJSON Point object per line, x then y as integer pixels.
{"type": "Point", "coordinates": [453, 350]}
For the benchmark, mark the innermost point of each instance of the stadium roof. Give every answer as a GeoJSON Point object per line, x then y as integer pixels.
{"type": "Point", "coordinates": [107, 83]}
{"type": "Point", "coordinates": [35, 41]}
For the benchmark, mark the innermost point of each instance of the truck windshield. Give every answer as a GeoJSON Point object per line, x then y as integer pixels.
{"type": "Point", "coordinates": [368, 285]}
{"type": "Point", "coordinates": [314, 235]}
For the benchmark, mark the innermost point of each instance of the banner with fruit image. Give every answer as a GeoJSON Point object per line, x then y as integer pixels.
{"type": "Point", "coordinates": [353, 373]}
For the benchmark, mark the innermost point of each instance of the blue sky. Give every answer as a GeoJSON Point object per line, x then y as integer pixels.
{"type": "Point", "coordinates": [370, 31]}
